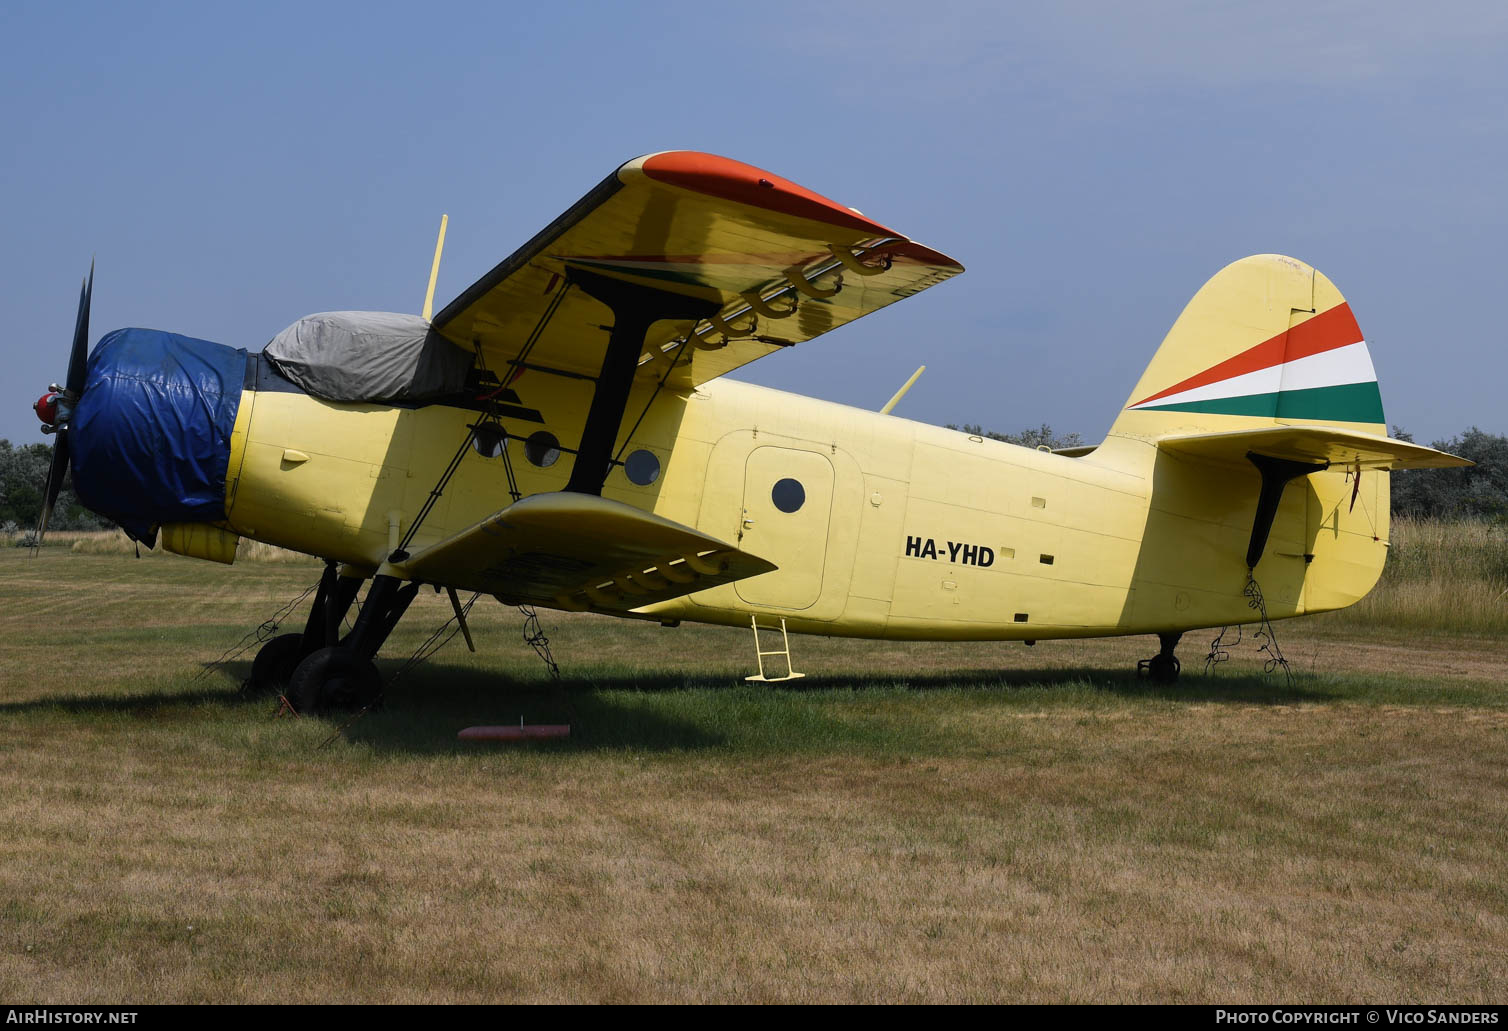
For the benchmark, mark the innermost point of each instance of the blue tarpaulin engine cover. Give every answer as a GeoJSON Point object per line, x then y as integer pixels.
{"type": "Point", "coordinates": [150, 435]}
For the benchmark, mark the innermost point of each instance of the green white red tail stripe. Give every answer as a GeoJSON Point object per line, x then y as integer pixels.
{"type": "Point", "coordinates": [1319, 369]}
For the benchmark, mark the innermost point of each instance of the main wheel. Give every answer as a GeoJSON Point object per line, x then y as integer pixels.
{"type": "Point", "coordinates": [334, 680]}
{"type": "Point", "coordinates": [274, 664]}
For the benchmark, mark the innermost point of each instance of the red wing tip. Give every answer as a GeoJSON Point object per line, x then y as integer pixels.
{"type": "Point", "coordinates": [733, 180]}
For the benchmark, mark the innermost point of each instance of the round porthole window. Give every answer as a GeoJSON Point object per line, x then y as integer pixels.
{"type": "Point", "coordinates": [642, 467]}
{"type": "Point", "coordinates": [788, 495]}
{"type": "Point", "coordinates": [489, 441]}
{"type": "Point", "coordinates": [542, 449]}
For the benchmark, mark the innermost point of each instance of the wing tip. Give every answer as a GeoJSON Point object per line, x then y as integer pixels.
{"type": "Point", "coordinates": [728, 179]}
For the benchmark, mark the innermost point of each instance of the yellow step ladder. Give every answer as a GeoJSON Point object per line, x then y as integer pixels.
{"type": "Point", "coordinates": [759, 653]}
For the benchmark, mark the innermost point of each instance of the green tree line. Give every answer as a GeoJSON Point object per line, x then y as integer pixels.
{"type": "Point", "coordinates": [1041, 436]}
{"type": "Point", "coordinates": [23, 477]}
{"type": "Point", "coordinates": [1479, 491]}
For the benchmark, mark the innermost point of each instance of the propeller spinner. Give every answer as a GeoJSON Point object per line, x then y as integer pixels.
{"type": "Point", "coordinates": [55, 408]}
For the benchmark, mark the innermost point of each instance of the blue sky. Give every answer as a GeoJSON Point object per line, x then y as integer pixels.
{"type": "Point", "coordinates": [1090, 163]}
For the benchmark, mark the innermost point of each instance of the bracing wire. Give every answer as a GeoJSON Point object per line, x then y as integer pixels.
{"type": "Point", "coordinates": [263, 632]}
{"type": "Point", "coordinates": [489, 417]}
{"type": "Point", "coordinates": [650, 403]}
{"type": "Point", "coordinates": [1264, 636]}
{"type": "Point", "coordinates": [534, 637]}
{"type": "Point", "coordinates": [1220, 648]}
{"type": "Point", "coordinates": [430, 646]}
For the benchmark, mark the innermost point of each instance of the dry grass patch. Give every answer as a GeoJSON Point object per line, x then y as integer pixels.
{"type": "Point", "coordinates": [115, 542]}
{"type": "Point", "coordinates": [1441, 578]}
{"type": "Point", "coordinates": [1209, 853]}
{"type": "Point", "coordinates": [920, 823]}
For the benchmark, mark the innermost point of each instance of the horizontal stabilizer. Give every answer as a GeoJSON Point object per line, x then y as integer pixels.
{"type": "Point", "coordinates": [1339, 447]}
{"type": "Point", "coordinates": [580, 551]}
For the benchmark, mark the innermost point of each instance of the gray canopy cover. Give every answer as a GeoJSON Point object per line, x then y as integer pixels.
{"type": "Point", "coordinates": [369, 356]}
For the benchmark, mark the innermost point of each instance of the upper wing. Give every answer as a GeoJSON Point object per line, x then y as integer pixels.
{"type": "Point", "coordinates": [579, 551]}
{"type": "Point", "coordinates": [782, 263]}
{"type": "Point", "coordinates": [1313, 444]}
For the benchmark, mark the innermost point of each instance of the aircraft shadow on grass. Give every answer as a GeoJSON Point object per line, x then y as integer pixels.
{"type": "Point", "coordinates": [424, 709]}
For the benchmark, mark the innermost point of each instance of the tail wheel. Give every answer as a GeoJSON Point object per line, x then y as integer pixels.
{"type": "Point", "coordinates": [273, 667]}
{"type": "Point", "coordinates": [1160, 669]}
{"type": "Point", "coordinates": [334, 679]}
{"type": "Point", "coordinates": [1165, 669]}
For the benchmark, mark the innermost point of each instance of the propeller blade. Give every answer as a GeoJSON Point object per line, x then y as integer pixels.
{"type": "Point", "coordinates": [78, 359]}
{"type": "Point", "coordinates": [55, 473]}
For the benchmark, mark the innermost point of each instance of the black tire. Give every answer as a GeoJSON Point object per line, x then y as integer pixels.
{"type": "Point", "coordinates": [274, 665]}
{"type": "Point", "coordinates": [1165, 669]}
{"type": "Point", "coordinates": [334, 679]}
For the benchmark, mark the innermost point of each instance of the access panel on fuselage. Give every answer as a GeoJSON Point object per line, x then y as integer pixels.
{"type": "Point", "coordinates": [788, 496]}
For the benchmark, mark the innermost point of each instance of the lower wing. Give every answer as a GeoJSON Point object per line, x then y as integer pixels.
{"type": "Point", "coordinates": [580, 551]}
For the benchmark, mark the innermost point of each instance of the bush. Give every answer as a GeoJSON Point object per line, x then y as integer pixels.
{"type": "Point", "coordinates": [23, 478]}
{"type": "Point", "coordinates": [1478, 492]}
{"type": "Point", "coordinates": [1042, 436]}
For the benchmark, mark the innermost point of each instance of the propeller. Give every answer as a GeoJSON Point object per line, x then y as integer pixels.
{"type": "Point", "coordinates": [56, 408]}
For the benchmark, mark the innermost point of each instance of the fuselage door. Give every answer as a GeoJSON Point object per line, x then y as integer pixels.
{"type": "Point", "coordinates": [788, 496]}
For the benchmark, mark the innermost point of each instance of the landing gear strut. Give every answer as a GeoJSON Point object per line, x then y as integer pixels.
{"type": "Point", "coordinates": [1163, 667]}
{"type": "Point", "coordinates": [273, 667]}
{"type": "Point", "coordinates": [320, 671]}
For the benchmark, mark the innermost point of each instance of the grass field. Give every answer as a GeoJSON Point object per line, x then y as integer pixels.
{"type": "Point", "coordinates": [912, 822]}
{"type": "Point", "coordinates": [1441, 578]}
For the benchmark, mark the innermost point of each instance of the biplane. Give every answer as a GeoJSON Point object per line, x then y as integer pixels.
{"type": "Point", "coordinates": [563, 434]}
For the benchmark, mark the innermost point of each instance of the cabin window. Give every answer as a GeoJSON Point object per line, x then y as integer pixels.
{"type": "Point", "coordinates": [788, 495]}
{"type": "Point", "coordinates": [488, 440]}
{"type": "Point", "coordinates": [642, 467]}
{"type": "Point", "coordinates": [542, 449]}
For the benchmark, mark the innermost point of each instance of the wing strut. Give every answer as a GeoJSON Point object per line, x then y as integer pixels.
{"type": "Point", "coordinates": [635, 309]}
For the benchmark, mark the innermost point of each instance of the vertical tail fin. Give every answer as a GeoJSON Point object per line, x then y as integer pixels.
{"type": "Point", "coordinates": [1263, 411]}
{"type": "Point", "coordinates": [1268, 454]}
{"type": "Point", "coordinates": [1268, 341]}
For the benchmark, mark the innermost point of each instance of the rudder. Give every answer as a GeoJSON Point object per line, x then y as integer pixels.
{"type": "Point", "coordinates": [1268, 341]}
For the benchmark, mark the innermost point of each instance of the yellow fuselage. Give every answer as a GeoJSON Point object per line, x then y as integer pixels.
{"type": "Point", "coordinates": [905, 530]}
